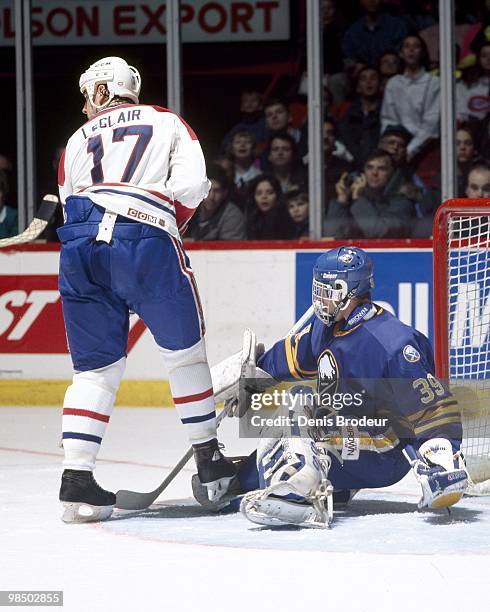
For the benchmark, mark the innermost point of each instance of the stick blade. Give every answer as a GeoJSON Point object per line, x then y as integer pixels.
{"type": "Point", "coordinates": [132, 500]}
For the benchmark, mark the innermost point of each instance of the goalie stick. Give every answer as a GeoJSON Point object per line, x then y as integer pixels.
{"type": "Point", "coordinates": [133, 500]}
{"type": "Point", "coordinates": [37, 225]}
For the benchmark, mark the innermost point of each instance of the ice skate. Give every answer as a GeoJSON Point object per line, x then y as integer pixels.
{"type": "Point", "coordinates": [200, 491]}
{"type": "Point", "coordinates": [83, 499]}
{"type": "Point", "coordinates": [214, 470]}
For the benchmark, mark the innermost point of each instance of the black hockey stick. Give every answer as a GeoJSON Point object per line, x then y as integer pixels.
{"type": "Point", "coordinates": [133, 500]}
{"type": "Point", "coordinates": [37, 225]}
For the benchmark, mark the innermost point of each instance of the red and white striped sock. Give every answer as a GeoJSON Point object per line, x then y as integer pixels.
{"type": "Point", "coordinates": [192, 391]}
{"type": "Point", "coordinates": [87, 408]}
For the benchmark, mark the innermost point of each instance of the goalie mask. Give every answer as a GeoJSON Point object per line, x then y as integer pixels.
{"type": "Point", "coordinates": [120, 79]}
{"type": "Point", "coordinates": [338, 276]}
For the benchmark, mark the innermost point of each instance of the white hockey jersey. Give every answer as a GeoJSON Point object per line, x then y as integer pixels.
{"type": "Point", "coordinates": [142, 162]}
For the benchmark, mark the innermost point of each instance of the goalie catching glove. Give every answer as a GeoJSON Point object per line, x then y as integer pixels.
{"type": "Point", "coordinates": [441, 473]}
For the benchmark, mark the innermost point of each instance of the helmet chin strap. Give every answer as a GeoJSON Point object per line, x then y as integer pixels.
{"type": "Point", "coordinates": [340, 306]}
{"type": "Point", "coordinates": [343, 305]}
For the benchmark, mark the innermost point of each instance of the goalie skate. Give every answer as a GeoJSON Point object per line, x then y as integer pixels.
{"type": "Point", "coordinates": [83, 499]}
{"type": "Point", "coordinates": [264, 509]}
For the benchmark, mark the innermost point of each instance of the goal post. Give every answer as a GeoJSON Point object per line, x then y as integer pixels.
{"type": "Point", "coordinates": [462, 323]}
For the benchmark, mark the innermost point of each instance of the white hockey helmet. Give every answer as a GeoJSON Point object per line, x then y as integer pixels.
{"type": "Point", "coordinates": [121, 79]}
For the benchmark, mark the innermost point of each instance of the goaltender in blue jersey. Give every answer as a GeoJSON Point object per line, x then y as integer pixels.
{"type": "Point", "coordinates": [378, 409]}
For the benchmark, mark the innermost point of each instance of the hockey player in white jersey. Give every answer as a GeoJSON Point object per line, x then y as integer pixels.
{"type": "Point", "coordinates": [130, 180]}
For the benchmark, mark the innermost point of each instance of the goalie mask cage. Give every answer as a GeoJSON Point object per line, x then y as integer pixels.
{"type": "Point", "coordinates": [462, 323]}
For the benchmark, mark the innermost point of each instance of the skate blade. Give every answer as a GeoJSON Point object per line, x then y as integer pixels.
{"type": "Point", "coordinates": [79, 512]}
{"type": "Point", "coordinates": [218, 488]}
{"type": "Point", "coordinates": [200, 493]}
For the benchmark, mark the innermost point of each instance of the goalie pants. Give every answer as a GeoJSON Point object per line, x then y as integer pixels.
{"type": "Point", "coordinates": [144, 270]}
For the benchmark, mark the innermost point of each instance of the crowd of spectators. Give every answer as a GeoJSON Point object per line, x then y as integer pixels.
{"type": "Point", "coordinates": [381, 132]}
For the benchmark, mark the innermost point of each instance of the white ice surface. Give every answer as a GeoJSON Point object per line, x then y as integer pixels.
{"type": "Point", "coordinates": [380, 555]}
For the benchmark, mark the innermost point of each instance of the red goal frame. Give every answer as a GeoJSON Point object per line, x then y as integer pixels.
{"type": "Point", "coordinates": [449, 208]}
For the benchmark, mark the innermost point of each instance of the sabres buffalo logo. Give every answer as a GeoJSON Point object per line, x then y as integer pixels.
{"type": "Point", "coordinates": [411, 354]}
{"type": "Point", "coordinates": [347, 257]}
{"type": "Point", "coordinates": [328, 373]}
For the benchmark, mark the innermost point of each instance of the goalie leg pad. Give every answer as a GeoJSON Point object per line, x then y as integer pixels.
{"type": "Point", "coordinates": [294, 485]}
{"type": "Point", "coordinates": [87, 408]}
{"type": "Point", "coordinates": [291, 464]}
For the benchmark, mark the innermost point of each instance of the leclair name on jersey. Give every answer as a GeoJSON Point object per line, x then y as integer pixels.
{"type": "Point", "coordinates": [111, 119]}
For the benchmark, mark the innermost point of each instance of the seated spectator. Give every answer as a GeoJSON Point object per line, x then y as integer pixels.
{"type": "Point", "coordinates": [245, 165]}
{"type": "Point", "coordinates": [5, 163]}
{"type": "Point", "coordinates": [8, 215]}
{"type": "Point", "coordinates": [217, 218]}
{"type": "Point", "coordinates": [412, 99]}
{"type": "Point", "coordinates": [479, 32]}
{"type": "Point", "coordinates": [283, 163]}
{"type": "Point", "coordinates": [360, 126]}
{"type": "Point", "coordinates": [466, 155]}
{"type": "Point", "coordinates": [225, 162]}
{"type": "Point", "coordinates": [389, 65]}
{"type": "Point", "coordinates": [478, 184]}
{"type": "Point", "coordinates": [335, 147]}
{"type": "Point", "coordinates": [278, 119]}
{"type": "Point", "coordinates": [252, 119]}
{"type": "Point", "coordinates": [334, 165]}
{"type": "Point", "coordinates": [394, 140]}
{"type": "Point", "coordinates": [472, 91]}
{"type": "Point", "coordinates": [371, 35]}
{"type": "Point", "coordinates": [267, 217]}
{"type": "Point", "coordinates": [298, 209]}
{"type": "Point", "coordinates": [371, 206]}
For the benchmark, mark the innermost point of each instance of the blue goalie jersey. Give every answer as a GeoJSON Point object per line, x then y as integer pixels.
{"type": "Point", "coordinates": [382, 366]}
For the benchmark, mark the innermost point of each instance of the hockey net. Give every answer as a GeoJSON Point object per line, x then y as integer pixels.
{"type": "Point", "coordinates": [462, 323]}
